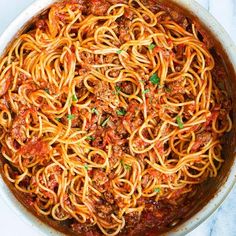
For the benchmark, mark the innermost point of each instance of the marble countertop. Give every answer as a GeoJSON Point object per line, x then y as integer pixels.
{"type": "Point", "coordinates": [223, 221]}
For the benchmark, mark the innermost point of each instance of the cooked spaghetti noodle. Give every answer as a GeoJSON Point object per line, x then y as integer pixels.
{"type": "Point", "coordinates": [106, 106]}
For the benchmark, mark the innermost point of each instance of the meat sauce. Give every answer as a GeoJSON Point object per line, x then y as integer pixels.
{"type": "Point", "coordinates": [157, 216]}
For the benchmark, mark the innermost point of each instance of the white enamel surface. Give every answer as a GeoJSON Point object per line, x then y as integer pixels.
{"type": "Point", "coordinates": [12, 224]}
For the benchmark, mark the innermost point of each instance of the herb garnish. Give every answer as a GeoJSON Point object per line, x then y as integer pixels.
{"type": "Point", "coordinates": [86, 166]}
{"type": "Point", "coordinates": [118, 89]}
{"type": "Point", "coordinates": [119, 51]}
{"type": "Point", "coordinates": [74, 98]}
{"type": "Point", "coordinates": [157, 190]}
{"type": "Point", "coordinates": [127, 167]}
{"type": "Point", "coordinates": [179, 122]}
{"type": "Point", "coordinates": [151, 46]}
{"type": "Point", "coordinates": [146, 91]}
{"type": "Point", "coordinates": [155, 79]}
{"type": "Point", "coordinates": [90, 138]}
{"type": "Point", "coordinates": [70, 116]}
{"type": "Point", "coordinates": [121, 112]}
{"type": "Point", "coordinates": [94, 110]}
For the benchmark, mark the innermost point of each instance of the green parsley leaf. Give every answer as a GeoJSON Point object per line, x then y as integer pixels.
{"type": "Point", "coordinates": [86, 166]}
{"type": "Point", "coordinates": [90, 138]}
{"type": "Point", "coordinates": [103, 124]}
{"type": "Point", "coordinates": [94, 110]}
{"type": "Point", "coordinates": [58, 119]}
{"type": "Point", "coordinates": [146, 91]}
{"type": "Point", "coordinates": [155, 79]}
{"type": "Point", "coordinates": [179, 122]}
{"type": "Point", "coordinates": [47, 90]}
{"type": "Point", "coordinates": [118, 89]}
{"type": "Point", "coordinates": [119, 51]}
{"type": "Point", "coordinates": [121, 112]}
{"type": "Point", "coordinates": [70, 116]}
{"type": "Point", "coordinates": [157, 190]}
{"type": "Point", "coordinates": [74, 98]}
{"type": "Point", "coordinates": [127, 167]}
{"type": "Point", "coordinates": [151, 46]}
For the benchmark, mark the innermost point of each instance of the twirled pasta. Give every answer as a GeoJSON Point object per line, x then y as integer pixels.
{"type": "Point", "coordinates": [104, 107]}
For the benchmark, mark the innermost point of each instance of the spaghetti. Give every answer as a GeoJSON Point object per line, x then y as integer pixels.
{"type": "Point", "coordinates": [106, 106]}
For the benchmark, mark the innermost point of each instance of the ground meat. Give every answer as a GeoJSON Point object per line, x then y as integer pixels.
{"type": "Point", "coordinates": [176, 16]}
{"type": "Point", "coordinates": [104, 210]}
{"type": "Point", "coordinates": [126, 87]}
{"type": "Point", "coordinates": [128, 14]}
{"type": "Point", "coordinates": [52, 184]}
{"type": "Point", "coordinates": [103, 91]}
{"type": "Point", "coordinates": [131, 120]}
{"type": "Point", "coordinates": [212, 117]}
{"type": "Point", "coordinates": [76, 119]}
{"type": "Point", "coordinates": [18, 131]}
{"type": "Point", "coordinates": [87, 59]}
{"type": "Point", "coordinates": [117, 149]}
{"type": "Point", "coordinates": [34, 147]}
{"type": "Point", "coordinates": [85, 229]}
{"type": "Point", "coordinates": [124, 25]}
{"type": "Point", "coordinates": [123, 115]}
{"type": "Point", "coordinates": [99, 177]}
{"type": "Point", "coordinates": [201, 139]}
{"type": "Point", "coordinates": [99, 7]}
{"type": "Point", "coordinates": [152, 5]}
{"type": "Point", "coordinates": [189, 110]}
{"type": "Point", "coordinates": [132, 219]}
{"type": "Point", "coordinates": [176, 87]}
{"type": "Point", "coordinates": [109, 197]}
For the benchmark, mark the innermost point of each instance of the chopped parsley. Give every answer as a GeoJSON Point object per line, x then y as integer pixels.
{"type": "Point", "coordinates": [127, 167]}
{"type": "Point", "coordinates": [151, 46]}
{"type": "Point", "coordinates": [47, 90]}
{"type": "Point", "coordinates": [86, 166]}
{"type": "Point", "coordinates": [58, 119]}
{"type": "Point", "coordinates": [70, 116]}
{"type": "Point", "coordinates": [157, 190]}
{"type": "Point", "coordinates": [146, 91]}
{"type": "Point", "coordinates": [155, 79]}
{"type": "Point", "coordinates": [119, 51]}
{"type": "Point", "coordinates": [95, 111]}
{"type": "Point", "coordinates": [90, 138]}
{"type": "Point", "coordinates": [179, 122]}
{"type": "Point", "coordinates": [118, 89]}
{"type": "Point", "coordinates": [103, 124]}
{"type": "Point", "coordinates": [74, 98]}
{"type": "Point", "coordinates": [121, 112]}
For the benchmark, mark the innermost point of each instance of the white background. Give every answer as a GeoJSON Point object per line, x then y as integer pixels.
{"type": "Point", "coordinates": [223, 222]}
